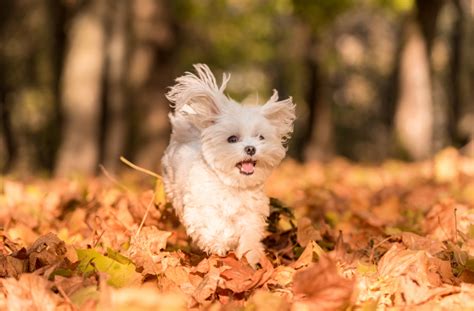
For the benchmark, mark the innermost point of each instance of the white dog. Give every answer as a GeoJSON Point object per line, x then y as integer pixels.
{"type": "Point", "coordinates": [219, 156]}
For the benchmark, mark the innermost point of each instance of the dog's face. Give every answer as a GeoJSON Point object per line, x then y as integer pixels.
{"type": "Point", "coordinates": [244, 143]}
{"type": "Point", "coordinates": [241, 144]}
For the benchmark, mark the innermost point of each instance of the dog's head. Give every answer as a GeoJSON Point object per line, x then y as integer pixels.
{"type": "Point", "coordinates": [240, 143]}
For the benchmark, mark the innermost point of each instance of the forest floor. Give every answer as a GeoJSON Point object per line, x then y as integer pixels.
{"type": "Point", "coordinates": [341, 236]}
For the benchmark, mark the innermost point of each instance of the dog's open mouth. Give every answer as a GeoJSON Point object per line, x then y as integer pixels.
{"type": "Point", "coordinates": [246, 167]}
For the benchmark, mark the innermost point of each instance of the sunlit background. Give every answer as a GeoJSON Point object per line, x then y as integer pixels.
{"type": "Point", "coordinates": [83, 82]}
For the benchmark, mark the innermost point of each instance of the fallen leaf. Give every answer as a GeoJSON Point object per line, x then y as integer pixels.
{"type": "Point", "coordinates": [120, 274]}
{"type": "Point", "coordinates": [281, 277]}
{"type": "Point", "coordinates": [312, 252]}
{"type": "Point", "coordinates": [240, 276]}
{"type": "Point", "coordinates": [30, 292]}
{"type": "Point", "coordinates": [306, 232]}
{"type": "Point", "coordinates": [416, 242]}
{"type": "Point", "coordinates": [11, 266]}
{"type": "Point", "coordinates": [416, 275]}
{"type": "Point", "coordinates": [160, 195]}
{"type": "Point", "coordinates": [146, 249]}
{"type": "Point", "coordinates": [320, 287]}
{"type": "Point", "coordinates": [47, 250]}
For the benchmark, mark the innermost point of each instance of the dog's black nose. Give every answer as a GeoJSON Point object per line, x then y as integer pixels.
{"type": "Point", "coordinates": [250, 150]}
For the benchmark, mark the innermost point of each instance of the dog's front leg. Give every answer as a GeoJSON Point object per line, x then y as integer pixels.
{"type": "Point", "coordinates": [250, 244]}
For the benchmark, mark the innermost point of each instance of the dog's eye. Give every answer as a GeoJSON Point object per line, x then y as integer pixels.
{"type": "Point", "coordinates": [261, 137]}
{"type": "Point", "coordinates": [232, 139]}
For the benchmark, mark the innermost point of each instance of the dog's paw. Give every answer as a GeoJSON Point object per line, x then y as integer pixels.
{"type": "Point", "coordinates": [254, 256]}
{"type": "Point", "coordinates": [220, 252]}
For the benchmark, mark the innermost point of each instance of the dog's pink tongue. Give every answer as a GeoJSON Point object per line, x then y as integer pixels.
{"type": "Point", "coordinates": [247, 167]}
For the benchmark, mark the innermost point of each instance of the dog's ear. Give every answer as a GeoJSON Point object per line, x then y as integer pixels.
{"type": "Point", "coordinates": [198, 97]}
{"type": "Point", "coordinates": [281, 114]}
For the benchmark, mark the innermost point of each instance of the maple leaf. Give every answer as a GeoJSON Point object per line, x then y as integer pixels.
{"type": "Point", "coordinates": [240, 276]}
{"type": "Point", "coordinates": [146, 249]}
{"type": "Point", "coordinates": [415, 276]}
{"type": "Point", "coordinates": [320, 286]}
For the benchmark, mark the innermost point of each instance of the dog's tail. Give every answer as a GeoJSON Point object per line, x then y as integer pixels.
{"type": "Point", "coordinates": [196, 99]}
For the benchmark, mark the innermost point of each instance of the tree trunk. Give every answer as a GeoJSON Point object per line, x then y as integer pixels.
{"type": "Point", "coordinates": [28, 85]}
{"type": "Point", "coordinates": [462, 76]}
{"type": "Point", "coordinates": [414, 115]}
{"type": "Point", "coordinates": [82, 90]}
{"type": "Point", "coordinates": [115, 125]}
{"type": "Point", "coordinates": [150, 70]}
{"type": "Point", "coordinates": [7, 144]}
{"type": "Point", "coordinates": [319, 133]}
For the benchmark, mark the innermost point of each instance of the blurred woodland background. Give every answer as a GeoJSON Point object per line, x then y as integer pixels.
{"type": "Point", "coordinates": [83, 82]}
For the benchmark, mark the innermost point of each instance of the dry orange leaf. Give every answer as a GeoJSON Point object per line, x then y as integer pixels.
{"type": "Point", "coordinates": [320, 287]}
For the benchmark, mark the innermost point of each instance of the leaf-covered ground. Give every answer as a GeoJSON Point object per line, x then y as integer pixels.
{"type": "Point", "coordinates": [341, 237]}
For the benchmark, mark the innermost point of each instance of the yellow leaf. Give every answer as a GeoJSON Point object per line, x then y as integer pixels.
{"type": "Point", "coordinates": [160, 195]}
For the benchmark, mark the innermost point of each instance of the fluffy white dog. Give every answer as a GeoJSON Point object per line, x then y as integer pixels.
{"type": "Point", "coordinates": [219, 156]}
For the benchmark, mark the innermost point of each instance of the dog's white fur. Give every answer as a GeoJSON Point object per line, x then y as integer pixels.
{"type": "Point", "coordinates": [221, 208]}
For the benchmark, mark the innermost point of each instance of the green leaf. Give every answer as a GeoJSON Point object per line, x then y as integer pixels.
{"type": "Point", "coordinates": [60, 271]}
{"type": "Point", "coordinates": [118, 257]}
{"type": "Point", "coordinates": [120, 273]}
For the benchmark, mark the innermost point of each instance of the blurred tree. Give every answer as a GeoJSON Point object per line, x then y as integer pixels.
{"type": "Point", "coordinates": [114, 124]}
{"type": "Point", "coordinates": [362, 44]}
{"type": "Point", "coordinates": [431, 101]}
{"type": "Point", "coordinates": [118, 64]}
{"type": "Point", "coordinates": [317, 16]}
{"type": "Point", "coordinates": [355, 68]}
{"type": "Point", "coordinates": [154, 37]}
{"type": "Point", "coordinates": [29, 52]}
{"type": "Point", "coordinates": [82, 90]}
{"type": "Point", "coordinates": [414, 115]}
{"type": "Point", "coordinates": [462, 75]}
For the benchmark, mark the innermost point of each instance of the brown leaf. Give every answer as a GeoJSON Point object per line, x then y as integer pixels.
{"type": "Point", "coordinates": [282, 276]}
{"type": "Point", "coordinates": [11, 266]}
{"type": "Point", "coordinates": [309, 255]}
{"type": "Point", "coordinates": [241, 277]}
{"type": "Point", "coordinates": [30, 292]}
{"type": "Point", "coordinates": [416, 242]}
{"type": "Point", "coordinates": [320, 286]}
{"type": "Point", "coordinates": [387, 213]}
{"type": "Point", "coordinates": [151, 239]}
{"type": "Point", "coordinates": [212, 267]}
{"type": "Point", "coordinates": [138, 206]}
{"type": "Point", "coordinates": [445, 220]}
{"type": "Point", "coordinates": [146, 248]}
{"type": "Point", "coordinates": [417, 275]}
{"type": "Point", "coordinates": [440, 221]}
{"type": "Point", "coordinates": [418, 264]}
{"type": "Point", "coordinates": [46, 250]}
{"type": "Point", "coordinates": [70, 285]}
{"type": "Point", "coordinates": [306, 232]}
{"type": "Point", "coordinates": [206, 288]}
